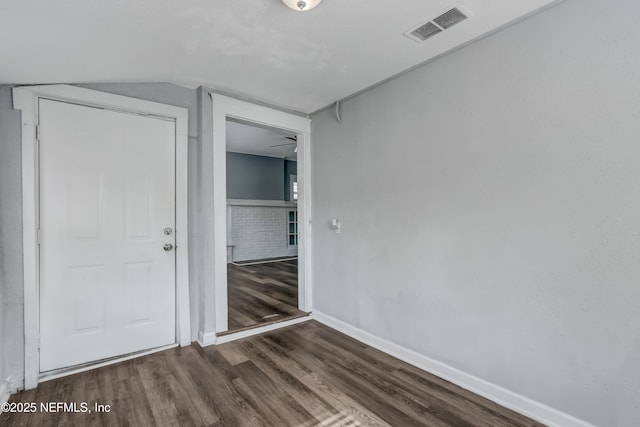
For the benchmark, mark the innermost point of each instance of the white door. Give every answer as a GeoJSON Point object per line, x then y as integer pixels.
{"type": "Point", "coordinates": [107, 193]}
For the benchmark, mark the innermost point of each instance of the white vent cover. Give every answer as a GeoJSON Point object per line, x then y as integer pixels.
{"type": "Point", "coordinates": [454, 15]}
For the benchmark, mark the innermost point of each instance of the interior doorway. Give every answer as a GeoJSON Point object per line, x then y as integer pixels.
{"type": "Point", "coordinates": [261, 219]}
{"type": "Point", "coordinates": [262, 225]}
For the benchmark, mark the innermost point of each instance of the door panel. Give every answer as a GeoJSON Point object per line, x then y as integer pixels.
{"type": "Point", "coordinates": [107, 191]}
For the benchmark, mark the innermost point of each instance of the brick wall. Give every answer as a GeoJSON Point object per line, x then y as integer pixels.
{"type": "Point", "coordinates": [258, 232]}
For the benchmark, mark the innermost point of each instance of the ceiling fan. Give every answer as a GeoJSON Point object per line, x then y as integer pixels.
{"type": "Point", "coordinates": [292, 138]}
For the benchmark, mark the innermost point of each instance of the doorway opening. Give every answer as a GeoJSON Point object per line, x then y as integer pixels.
{"type": "Point", "coordinates": [261, 180]}
{"type": "Point", "coordinates": [262, 225]}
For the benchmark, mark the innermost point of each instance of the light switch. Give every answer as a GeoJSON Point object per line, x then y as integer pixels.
{"type": "Point", "coordinates": [335, 224]}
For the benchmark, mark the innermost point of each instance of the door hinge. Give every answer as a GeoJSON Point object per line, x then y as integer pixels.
{"type": "Point", "coordinates": [37, 132]}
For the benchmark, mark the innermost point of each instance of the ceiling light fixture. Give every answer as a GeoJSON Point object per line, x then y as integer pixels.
{"type": "Point", "coordinates": [301, 5]}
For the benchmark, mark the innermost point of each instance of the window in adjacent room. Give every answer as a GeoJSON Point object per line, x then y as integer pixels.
{"type": "Point", "coordinates": [294, 187]}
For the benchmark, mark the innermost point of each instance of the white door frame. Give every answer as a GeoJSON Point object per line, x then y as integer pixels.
{"type": "Point", "coordinates": [223, 108]}
{"type": "Point", "coordinates": [26, 99]}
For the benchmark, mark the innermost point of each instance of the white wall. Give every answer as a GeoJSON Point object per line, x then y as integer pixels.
{"type": "Point", "coordinates": [490, 208]}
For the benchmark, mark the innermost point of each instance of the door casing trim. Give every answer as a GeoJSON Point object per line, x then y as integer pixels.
{"type": "Point", "coordinates": [225, 107]}
{"type": "Point", "coordinates": [26, 98]}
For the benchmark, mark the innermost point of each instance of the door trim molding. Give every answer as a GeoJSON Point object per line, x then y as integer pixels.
{"type": "Point", "coordinates": [26, 99]}
{"type": "Point", "coordinates": [223, 108]}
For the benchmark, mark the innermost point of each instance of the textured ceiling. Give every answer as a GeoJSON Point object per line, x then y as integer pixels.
{"type": "Point", "coordinates": [257, 48]}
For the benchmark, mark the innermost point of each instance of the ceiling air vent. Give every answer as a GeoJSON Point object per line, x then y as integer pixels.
{"type": "Point", "coordinates": [427, 30]}
{"type": "Point", "coordinates": [448, 19]}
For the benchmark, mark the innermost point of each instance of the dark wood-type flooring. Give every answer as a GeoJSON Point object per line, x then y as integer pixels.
{"type": "Point", "coordinates": [303, 375]}
{"type": "Point", "coordinates": [260, 294]}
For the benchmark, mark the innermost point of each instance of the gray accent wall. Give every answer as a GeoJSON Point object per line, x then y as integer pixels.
{"type": "Point", "coordinates": [254, 177]}
{"type": "Point", "coordinates": [506, 242]}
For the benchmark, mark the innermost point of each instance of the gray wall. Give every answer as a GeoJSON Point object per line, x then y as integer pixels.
{"type": "Point", "coordinates": [290, 168]}
{"type": "Point", "coordinates": [254, 177]}
{"type": "Point", "coordinates": [505, 241]}
{"type": "Point", "coordinates": [11, 286]}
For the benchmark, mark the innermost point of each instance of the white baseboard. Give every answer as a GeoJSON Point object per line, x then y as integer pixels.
{"type": "Point", "coordinates": [4, 392]}
{"type": "Point", "coordinates": [210, 338]}
{"type": "Point", "coordinates": [206, 339]}
{"type": "Point", "coordinates": [524, 405]}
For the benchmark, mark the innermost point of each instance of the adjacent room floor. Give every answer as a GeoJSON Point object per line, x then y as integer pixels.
{"type": "Point", "coordinates": [260, 294]}
{"type": "Point", "coordinates": [303, 375]}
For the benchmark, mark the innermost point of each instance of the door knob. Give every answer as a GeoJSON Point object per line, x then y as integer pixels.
{"type": "Point", "coordinates": [168, 247]}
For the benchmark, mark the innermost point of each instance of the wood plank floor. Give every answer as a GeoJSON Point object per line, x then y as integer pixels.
{"type": "Point", "coordinates": [262, 293]}
{"type": "Point", "coordinates": [303, 375]}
